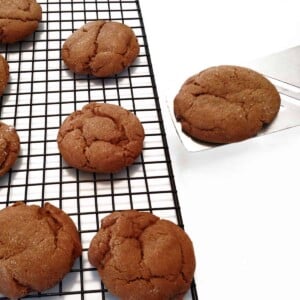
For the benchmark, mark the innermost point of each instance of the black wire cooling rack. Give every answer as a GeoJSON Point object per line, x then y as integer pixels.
{"type": "Point", "coordinates": [41, 93]}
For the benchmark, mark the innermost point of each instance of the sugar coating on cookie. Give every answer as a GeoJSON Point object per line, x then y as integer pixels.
{"type": "Point", "coordinates": [139, 256]}
{"type": "Point", "coordinates": [9, 147]}
{"type": "Point", "coordinates": [100, 48]}
{"type": "Point", "coordinates": [4, 74]}
{"type": "Point", "coordinates": [226, 104]}
{"type": "Point", "coordinates": [38, 246]}
{"type": "Point", "coordinates": [101, 138]}
{"type": "Point", "coordinates": [18, 19]}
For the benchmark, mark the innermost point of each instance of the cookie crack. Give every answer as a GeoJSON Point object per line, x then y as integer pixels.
{"type": "Point", "coordinates": [96, 47]}
{"type": "Point", "coordinates": [124, 55]}
{"type": "Point", "coordinates": [249, 107]}
{"type": "Point", "coordinates": [87, 163]}
{"type": "Point", "coordinates": [55, 226]}
{"type": "Point", "coordinates": [170, 277]}
{"type": "Point", "coordinates": [107, 251]}
{"type": "Point", "coordinates": [24, 9]}
{"type": "Point", "coordinates": [211, 129]}
{"type": "Point", "coordinates": [87, 64]}
{"type": "Point", "coordinates": [185, 120]}
{"type": "Point", "coordinates": [4, 154]}
{"type": "Point", "coordinates": [7, 257]}
{"type": "Point", "coordinates": [28, 8]}
{"type": "Point", "coordinates": [226, 97]}
{"type": "Point", "coordinates": [120, 127]}
{"type": "Point", "coordinates": [139, 277]}
{"type": "Point", "coordinates": [26, 19]}
{"type": "Point", "coordinates": [134, 236]}
{"type": "Point", "coordinates": [26, 288]}
{"type": "Point", "coordinates": [200, 94]}
{"type": "Point", "coordinates": [182, 265]}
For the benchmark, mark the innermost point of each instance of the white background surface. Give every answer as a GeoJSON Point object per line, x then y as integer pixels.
{"type": "Point", "coordinates": [240, 203]}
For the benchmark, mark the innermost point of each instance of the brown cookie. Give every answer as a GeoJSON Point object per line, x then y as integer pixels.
{"type": "Point", "coordinates": [101, 138]}
{"type": "Point", "coordinates": [9, 147]}
{"type": "Point", "coordinates": [139, 256]}
{"type": "Point", "coordinates": [226, 104]}
{"type": "Point", "coordinates": [18, 19]}
{"type": "Point", "coordinates": [4, 74]}
{"type": "Point", "coordinates": [100, 48]}
{"type": "Point", "coordinates": [38, 246]}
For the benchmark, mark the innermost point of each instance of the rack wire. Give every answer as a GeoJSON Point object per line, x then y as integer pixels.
{"type": "Point", "coordinates": [41, 93]}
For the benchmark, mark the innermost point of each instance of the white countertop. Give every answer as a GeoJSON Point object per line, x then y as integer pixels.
{"type": "Point", "coordinates": [240, 203]}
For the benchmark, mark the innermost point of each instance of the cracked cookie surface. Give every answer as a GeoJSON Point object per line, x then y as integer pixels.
{"type": "Point", "coordinates": [101, 137]}
{"type": "Point", "coordinates": [18, 19]}
{"type": "Point", "coordinates": [100, 48]}
{"type": "Point", "coordinates": [38, 246]}
{"type": "Point", "coordinates": [4, 74]}
{"type": "Point", "coordinates": [139, 256]}
{"type": "Point", "coordinates": [9, 147]}
{"type": "Point", "coordinates": [226, 104]}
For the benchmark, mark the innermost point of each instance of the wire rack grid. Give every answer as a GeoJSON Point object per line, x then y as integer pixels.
{"type": "Point", "coordinates": [41, 93]}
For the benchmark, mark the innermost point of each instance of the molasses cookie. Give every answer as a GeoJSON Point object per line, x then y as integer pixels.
{"type": "Point", "coordinates": [18, 19]}
{"type": "Point", "coordinates": [226, 104]}
{"type": "Point", "coordinates": [38, 246]}
{"type": "Point", "coordinates": [4, 74]}
{"type": "Point", "coordinates": [101, 138]}
{"type": "Point", "coordinates": [9, 147]}
{"type": "Point", "coordinates": [139, 256]}
{"type": "Point", "coordinates": [100, 48]}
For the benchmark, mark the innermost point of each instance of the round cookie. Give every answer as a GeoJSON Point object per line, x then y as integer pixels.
{"type": "Point", "coordinates": [9, 147]}
{"type": "Point", "coordinates": [226, 104]}
{"type": "Point", "coordinates": [100, 48]}
{"type": "Point", "coordinates": [38, 246]}
{"type": "Point", "coordinates": [4, 74]}
{"type": "Point", "coordinates": [18, 19]}
{"type": "Point", "coordinates": [139, 256]}
{"type": "Point", "coordinates": [101, 138]}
